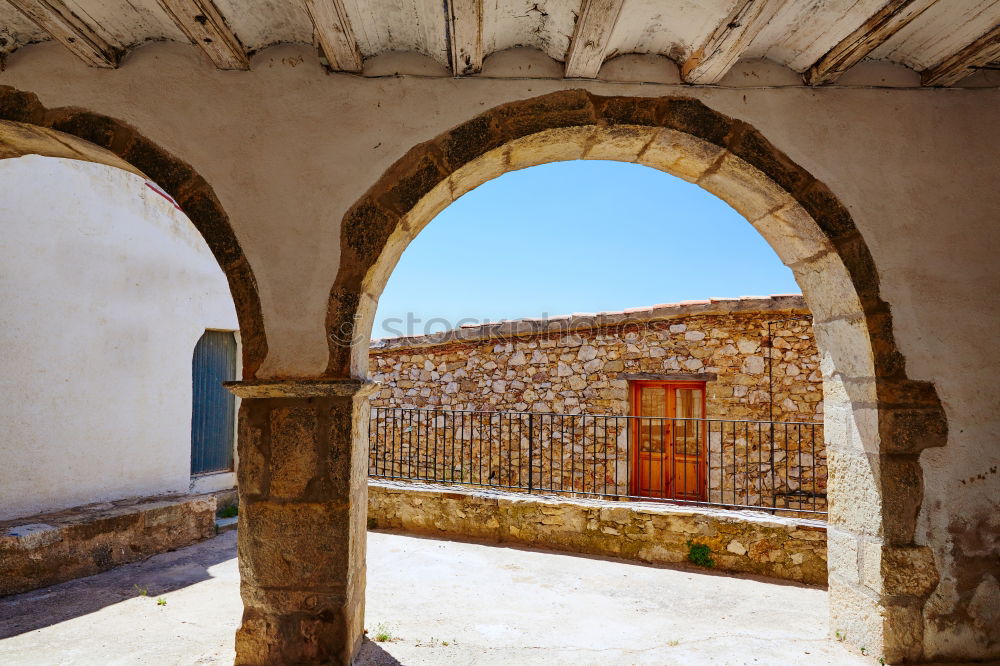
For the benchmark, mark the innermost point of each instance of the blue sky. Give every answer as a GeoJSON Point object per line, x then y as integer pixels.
{"type": "Point", "coordinates": [582, 236]}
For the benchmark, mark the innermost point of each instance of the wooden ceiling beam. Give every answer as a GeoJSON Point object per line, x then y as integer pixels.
{"type": "Point", "coordinates": [204, 25]}
{"type": "Point", "coordinates": [871, 34]}
{"type": "Point", "coordinates": [954, 68]}
{"type": "Point", "coordinates": [84, 40]}
{"type": "Point", "coordinates": [465, 33]}
{"type": "Point", "coordinates": [590, 39]}
{"type": "Point", "coordinates": [335, 34]}
{"type": "Point", "coordinates": [729, 41]}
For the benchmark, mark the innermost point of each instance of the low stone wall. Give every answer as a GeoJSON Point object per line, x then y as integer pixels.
{"type": "Point", "coordinates": [52, 548]}
{"type": "Point", "coordinates": [658, 533]}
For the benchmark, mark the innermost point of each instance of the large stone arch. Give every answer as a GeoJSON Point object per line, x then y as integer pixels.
{"type": "Point", "coordinates": [878, 420]}
{"type": "Point", "coordinates": [30, 128]}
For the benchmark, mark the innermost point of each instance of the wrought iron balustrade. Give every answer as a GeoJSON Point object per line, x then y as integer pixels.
{"type": "Point", "coordinates": [773, 465]}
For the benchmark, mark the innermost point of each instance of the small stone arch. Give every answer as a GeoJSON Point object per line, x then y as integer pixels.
{"type": "Point", "coordinates": [30, 128]}
{"type": "Point", "coordinates": [878, 420]}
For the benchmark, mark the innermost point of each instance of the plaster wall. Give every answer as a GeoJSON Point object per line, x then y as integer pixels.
{"type": "Point", "coordinates": [289, 148]}
{"type": "Point", "coordinates": [105, 290]}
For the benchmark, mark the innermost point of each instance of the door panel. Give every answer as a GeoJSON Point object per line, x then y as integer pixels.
{"type": "Point", "coordinates": [213, 408]}
{"type": "Point", "coordinates": [688, 436]}
{"type": "Point", "coordinates": [668, 445]}
{"type": "Point", "coordinates": [653, 476]}
{"type": "Point", "coordinates": [653, 435]}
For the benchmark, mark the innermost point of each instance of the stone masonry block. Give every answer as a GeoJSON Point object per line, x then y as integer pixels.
{"type": "Point", "coordinates": [554, 145]}
{"type": "Point", "coordinates": [902, 493]}
{"type": "Point", "coordinates": [909, 571]}
{"type": "Point", "coordinates": [744, 188]}
{"type": "Point", "coordinates": [793, 234]}
{"type": "Point", "coordinates": [681, 154]}
{"type": "Point", "coordinates": [295, 545]}
{"type": "Point", "coordinates": [854, 475]}
{"type": "Point", "coordinates": [622, 143]}
{"type": "Point", "coordinates": [911, 430]}
{"type": "Point", "coordinates": [842, 554]}
{"type": "Point", "coordinates": [294, 454]}
{"type": "Point", "coordinates": [856, 617]}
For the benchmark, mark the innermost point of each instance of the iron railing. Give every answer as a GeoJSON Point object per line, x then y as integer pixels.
{"type": "Point", "coordinates": [773, 465]}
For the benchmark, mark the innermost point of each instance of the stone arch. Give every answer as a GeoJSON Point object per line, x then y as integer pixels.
{"type": "Point", "coordinates": [30, 128]}
{"type": "Point", "coordinates": [878, 420]}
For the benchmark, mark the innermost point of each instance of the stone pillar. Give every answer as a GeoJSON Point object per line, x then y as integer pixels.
{"type": "Point", "coordinates": [303, 508]}
{"type": "Point", "coordinates": [879, 576]}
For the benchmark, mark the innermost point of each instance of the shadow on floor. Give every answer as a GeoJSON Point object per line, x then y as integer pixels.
{"type": "Point", "coordinates": [172, 571]}
{"type": "Point", "coordinates": [157, 575]}
{"type": "Point", "coordinates": [373, 654]}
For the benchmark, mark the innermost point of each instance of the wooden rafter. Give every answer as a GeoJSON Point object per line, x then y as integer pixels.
{"type": "Point", "coordinates": [871, 34]}
{"type": "Point", "coordinates": [729, 41]}
{"type": "Point", "coordinates": [954, 68]}
{"type": "Point", "coordinates": [465, 32]}
{"type": "Point", "coordinates": [335, 34]}
{"type": "Point", "coordinates": [204, 25]}
{"type": "Point", "coordinates": [85, 41]}
{"type": "Point", "coordinates": [590, 37]}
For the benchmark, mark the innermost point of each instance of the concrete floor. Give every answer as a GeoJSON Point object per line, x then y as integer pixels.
{"type": "Point", "coordinates": [441, 602]}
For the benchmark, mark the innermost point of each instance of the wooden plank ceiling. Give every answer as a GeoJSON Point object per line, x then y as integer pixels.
{"type": "Point", "coordinates": [944, 40]}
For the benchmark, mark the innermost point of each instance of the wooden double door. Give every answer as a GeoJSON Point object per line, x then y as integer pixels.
{"type": "Point", "coordinates": [668, 440]}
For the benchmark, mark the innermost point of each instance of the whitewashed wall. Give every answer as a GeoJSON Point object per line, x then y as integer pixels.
{"type": "Point", "coordinates": [105, 288]}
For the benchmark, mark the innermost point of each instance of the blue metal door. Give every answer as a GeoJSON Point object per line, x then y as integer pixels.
{"type": "Point", "coordinates": [213, 407]}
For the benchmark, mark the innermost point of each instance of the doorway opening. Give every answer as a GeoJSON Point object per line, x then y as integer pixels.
{"type": "Point", "coordinates": [669, 446]}
{"type": "Point", "coordinates": [213, 408]}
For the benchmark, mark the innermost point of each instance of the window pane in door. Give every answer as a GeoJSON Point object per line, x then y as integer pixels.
{"type": "Point", "coordinates": [688, 406]}
{"type": "Point", "coordinates": [652, 402]}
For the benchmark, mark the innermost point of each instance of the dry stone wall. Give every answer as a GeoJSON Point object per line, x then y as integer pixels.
{"type": "Point", "coordinates": [50, 548]}
{"type": "Point", "coordinates": [584, 365]}
{"type": "Point", "coordinates": [745, 542]}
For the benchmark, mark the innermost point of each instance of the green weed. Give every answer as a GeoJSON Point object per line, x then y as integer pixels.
{"type": "Point", "coordinates": [700, 554]}
{"type": "Point", "coordinates": [383, 634]}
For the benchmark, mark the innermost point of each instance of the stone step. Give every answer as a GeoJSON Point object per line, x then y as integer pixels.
{"type": "Point", "coordinates": [225, 524]}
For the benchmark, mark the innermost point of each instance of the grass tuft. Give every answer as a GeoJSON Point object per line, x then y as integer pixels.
{"type": "Point", "coordinates": [700, 554]}
{"type": "Point", "coordinates": [383, 634]}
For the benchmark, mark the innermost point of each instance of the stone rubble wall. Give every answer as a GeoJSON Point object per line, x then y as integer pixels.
{"type": "Point", "coordinates": [582, 365]}
{"type": "Point", "coordinates": [52, 548]}
{"type": "Point", "coordinates": [656, 533]}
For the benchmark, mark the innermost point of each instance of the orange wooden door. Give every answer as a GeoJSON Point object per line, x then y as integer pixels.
{"type": "Point", "coordinates": [668, 449]}
{"type": "Point", "coordinates": [652, 434]}
{"type": "Point", "coordinates": [687, 406]}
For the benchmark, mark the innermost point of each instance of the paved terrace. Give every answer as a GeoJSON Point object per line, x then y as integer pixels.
{"type": "Point", "coordinates": [442, 602]}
